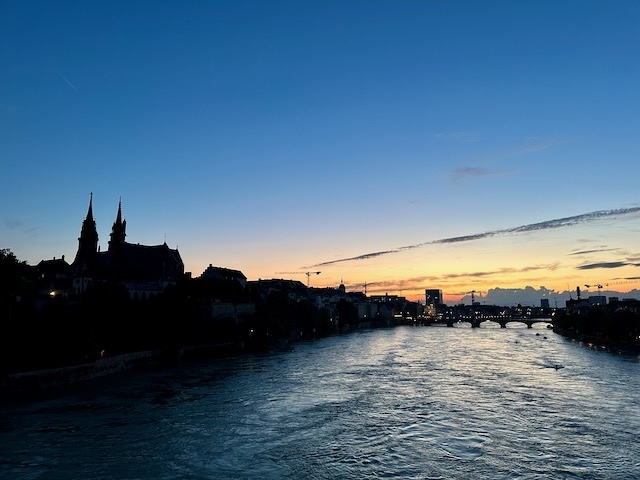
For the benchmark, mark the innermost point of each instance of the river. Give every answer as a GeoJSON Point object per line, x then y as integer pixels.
{"type": "Point", "coordinates": [409, 402]}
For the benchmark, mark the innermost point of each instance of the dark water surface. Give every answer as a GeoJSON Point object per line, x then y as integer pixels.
{"type": "Point", "coordinates": [415, 403]}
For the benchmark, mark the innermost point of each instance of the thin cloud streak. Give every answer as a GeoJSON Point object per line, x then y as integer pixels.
{"type": "Point", "coordinates": [417, 283]}
{"type": "Point", "coordinates": [532, 227]}
{"type": "Point", "coordinates": [475, 172]}
{"type": "Point", "coordinates": [531, 148]}
{"type": "Point", "coordinates": [22, 227]}
{"type": "Point", "coordinates": [585, 252]}
{"type": "Point", "coordinates": [457, 136]}
{"type": "Point", "coordinates": [591, 266]}
{"type": "Point", "coordinates": [66, 80]}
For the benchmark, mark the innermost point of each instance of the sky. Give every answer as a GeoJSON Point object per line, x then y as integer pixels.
{"type": "Point", "coordinates": [402, 145]}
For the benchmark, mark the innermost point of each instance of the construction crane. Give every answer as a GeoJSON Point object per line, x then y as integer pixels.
{"type": "Point", "coordinates": [618, 282]}
{"type": "Point", "coordinates": [598, 286]}
{"type": "Point", "coordinates": [354, 285]}
{"type": "Point", "coordinates": [308, 274]}
{"type": "Point", "coordinates": [473, 295]}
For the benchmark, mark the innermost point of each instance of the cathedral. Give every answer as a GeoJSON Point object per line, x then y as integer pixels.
{"type": "Point", "coordinates": [144, 270]}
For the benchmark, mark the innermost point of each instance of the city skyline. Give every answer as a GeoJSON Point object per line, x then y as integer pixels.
{"type": "Point", "coordinates": [497, 295]}
{"type": "Point", "coordinates": [402, 145]}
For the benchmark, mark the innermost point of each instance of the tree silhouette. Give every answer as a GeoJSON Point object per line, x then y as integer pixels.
{"type": "Point", "coordinates": [15, 283]}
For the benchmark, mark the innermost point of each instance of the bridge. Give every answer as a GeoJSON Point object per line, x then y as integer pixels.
{"type": "Point", "coordinates": [476, 321]}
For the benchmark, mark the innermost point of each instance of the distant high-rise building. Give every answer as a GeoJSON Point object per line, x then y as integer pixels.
{"type": "Point", "coordinates": [544, 303]}
{"type": "Point", "coordinates": [433, 297]}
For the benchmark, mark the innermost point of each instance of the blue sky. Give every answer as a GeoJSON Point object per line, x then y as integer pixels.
{"type": "Point", "coordinates": [273, 136]}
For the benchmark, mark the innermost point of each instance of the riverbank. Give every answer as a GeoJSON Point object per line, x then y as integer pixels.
{"type": "Point", "coordinates": [24, 385]}
{"type": "Point", "coordinates": [600, 343]}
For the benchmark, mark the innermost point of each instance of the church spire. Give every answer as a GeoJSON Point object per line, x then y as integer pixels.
{"type": "Point", "coordinates": [119, 216]}
{"type": "Point", "coordinates": [88, 240]}
{"type": "Point", "coordinates": [118, 230]}
{"type": "Point", "coordinates": [90, 212]}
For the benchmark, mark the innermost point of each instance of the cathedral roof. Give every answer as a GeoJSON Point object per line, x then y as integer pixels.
{"type": "Point", "coordinates": [142, 262]}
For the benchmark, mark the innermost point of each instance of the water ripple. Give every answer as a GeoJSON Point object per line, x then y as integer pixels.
{"type": "Point", "coordinates": [414, 403]}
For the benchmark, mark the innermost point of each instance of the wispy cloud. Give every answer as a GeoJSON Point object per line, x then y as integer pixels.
{"type": "Point", "coordinates": [457, 136]}
{"type": "Point", "coordinates": [531, 227]}
{"type": "Point", "coordinates": [417, 283]}
{"type": "Point", "coordinates": [596, 250]}
{"type": "Point", "coordinates": [531, 147]}
{"type": "Point", "coordinates": [22, 227]}
{"type": "Point", "coordinates": [470, 172]}
{"type": "Point", "coordinates": [463, 173]}
{"type": "Point", "coordinates": [592, 266]}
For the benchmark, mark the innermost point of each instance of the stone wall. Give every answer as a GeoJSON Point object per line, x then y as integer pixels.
{"type": "Point", "coordinates": [39, 380]}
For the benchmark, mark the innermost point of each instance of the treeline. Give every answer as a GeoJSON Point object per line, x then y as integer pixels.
{"type": "Point", "coordinates": [40, 333]}
{"type": "Point", "coordinates": [608, 324]}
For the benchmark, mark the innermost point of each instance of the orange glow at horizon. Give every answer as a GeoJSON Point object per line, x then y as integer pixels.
{"type": "Point", "coordinates": [556, 260]}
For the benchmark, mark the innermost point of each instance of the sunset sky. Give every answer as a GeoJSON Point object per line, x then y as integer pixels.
{"type": "Point", "coordinates": [277, 136]}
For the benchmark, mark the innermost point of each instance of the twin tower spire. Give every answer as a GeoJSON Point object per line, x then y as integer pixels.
{"type": "Point", "coordinates": [118, 230]}
{"type": "Point", "coordinates": [88, 241]}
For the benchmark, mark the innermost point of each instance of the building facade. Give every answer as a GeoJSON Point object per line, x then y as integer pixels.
{"type": "Point", "coordinates": [433, 297]}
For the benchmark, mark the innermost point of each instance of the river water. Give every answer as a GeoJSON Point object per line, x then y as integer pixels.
{"type": "Point", "coordinates": [409, 402]}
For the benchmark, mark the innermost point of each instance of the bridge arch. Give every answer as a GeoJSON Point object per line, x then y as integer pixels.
{"type": "Point", "coordinates": [528, 321]}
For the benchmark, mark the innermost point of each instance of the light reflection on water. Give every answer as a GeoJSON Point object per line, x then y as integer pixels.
{"type": "Point", "coordinates": [406, 403]}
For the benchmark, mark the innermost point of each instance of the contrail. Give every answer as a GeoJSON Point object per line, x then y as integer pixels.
{"type": "Point", "coordinates": [66, 80]}
{"type": "Point", "coordinates": [532, 227]}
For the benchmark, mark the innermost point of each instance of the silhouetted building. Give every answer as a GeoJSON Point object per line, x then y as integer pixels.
{"type": "Point", "coordinates": [597, 300]}
{"type": "Point", "coordinates": [144, 270]}
{"type": "Point", "coordinates": [294, 289]}
{"type": "Point", "coordinates": [53, 277]}
{"type": "Point", "coordinates": [433, 302]}
{"type": "Point", "coordinates": [219, 273]}
{"type": "Point", "coordinates": [544, 302]}
{"type": "Point", "coordinates": [577, 306]}
{"type": "Point", "coordinates": [433, 297]}
{"type": "Point", "coordinates": [386, 298]}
